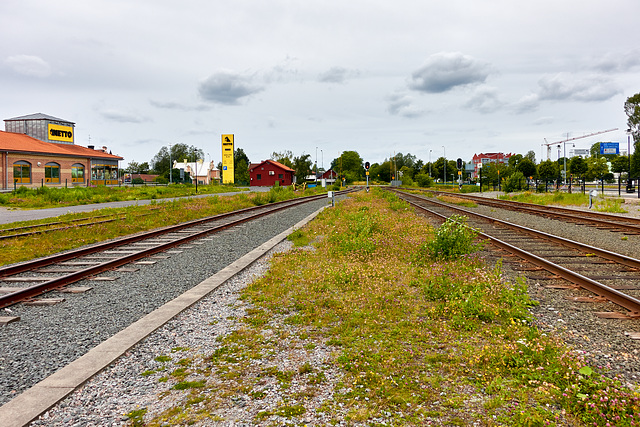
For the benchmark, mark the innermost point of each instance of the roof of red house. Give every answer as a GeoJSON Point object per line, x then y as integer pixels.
{"type": "Point", "coordinates": [273, 162]}
{"type": "Point", "coordinates": [18, 142]}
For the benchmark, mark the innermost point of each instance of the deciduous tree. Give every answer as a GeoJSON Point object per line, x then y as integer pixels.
{"type": "Point", "coordinates": [632, 110]}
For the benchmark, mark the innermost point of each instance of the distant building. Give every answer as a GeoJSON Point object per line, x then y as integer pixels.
{"type": "Point", "coordinates": [329, 176]}
{"type": "Point", "coordinates": [268, 172]}
{"type": "Point", "coordinates": [128, 178]}
{"type": "Point", "coordinates": [205, 173]}
{"type": "Point", "coordinates": [581, 152]}
{"type": "Point", "coordinates": [485, 158]}
{"type": "Point", "coordinates": [38, 149]}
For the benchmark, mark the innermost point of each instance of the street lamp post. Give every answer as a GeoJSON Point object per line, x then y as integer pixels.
{"type": "Point", "coordinates": [430, 163]}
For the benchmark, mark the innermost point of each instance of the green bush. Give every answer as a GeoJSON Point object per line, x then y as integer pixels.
{"type": "Point", "coordinates": [515, 182]}
{"type": "Point", "coordinates": [423, 180]}
{"type": "Point", "coordinates": [452, 239]}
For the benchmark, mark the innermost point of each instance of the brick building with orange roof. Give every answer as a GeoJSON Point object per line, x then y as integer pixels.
{"type": "Point", "coordinates": [38, 149]}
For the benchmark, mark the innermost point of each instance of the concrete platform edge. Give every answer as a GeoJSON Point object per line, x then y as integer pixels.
{"type": "Point", "coordinates": [32, 403]}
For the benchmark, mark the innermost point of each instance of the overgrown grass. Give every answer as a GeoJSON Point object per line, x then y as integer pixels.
{"type": "Point", "coordinates": [601, 204]}
{"type": "Point", "coordinates": [136, 219]}
{"type": "Point", "coordinates": [48, 197]}
{"type": "Point", "coordinates": [450, 342]}
{"type": "Point", "coordinates": [458, 201]}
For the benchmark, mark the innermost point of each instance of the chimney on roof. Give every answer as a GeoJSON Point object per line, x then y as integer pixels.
{"type": "Point", "coordinates": [90, 147]}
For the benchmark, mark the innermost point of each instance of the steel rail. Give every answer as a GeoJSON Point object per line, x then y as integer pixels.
{"type": "Point", "coordinates": [626, 301]}
{"type": "Point", "coordinates": [50, 230]}
{"type": "Point", "coordinates": [33, 291]}
{"type": "Point", "coordinates": [612, 256]}
{"type": "Point", "coordinates": [599, 218]}
{"type": "Point", "coordinates": [52, 259]}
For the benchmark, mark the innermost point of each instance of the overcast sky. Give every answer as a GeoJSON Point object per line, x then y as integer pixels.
{"type": "Point", "coordinates": [324, 76]}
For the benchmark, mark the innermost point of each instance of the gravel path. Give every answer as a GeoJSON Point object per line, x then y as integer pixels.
{"type": "Point", "coordinates": [47, 338]}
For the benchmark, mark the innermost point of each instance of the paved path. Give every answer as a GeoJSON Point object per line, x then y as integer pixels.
{"type": "Point", "coordinates": [12, 215]}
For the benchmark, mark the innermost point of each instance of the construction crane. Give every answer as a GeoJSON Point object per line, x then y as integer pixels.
{"type": "Point", "coordinates": [549, 144]}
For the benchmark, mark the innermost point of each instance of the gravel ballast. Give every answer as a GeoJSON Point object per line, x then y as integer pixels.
{"type": "Point", "coordinates": [48, 338]}
{"type": "Point", "coordinates": [605, 343]}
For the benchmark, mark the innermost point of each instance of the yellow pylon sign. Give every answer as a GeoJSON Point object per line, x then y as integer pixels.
{"type": "Point", "coordinates": [227, 159]}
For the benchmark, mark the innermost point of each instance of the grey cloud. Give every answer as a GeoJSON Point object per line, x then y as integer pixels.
{"type": "Point", "coordinates": [563, 86]}
{"type": "Point", "coordinates": [336, 75]}
{"type": "Point", "coordinates": [122, 117]}
{"type": "Point", "coordinates": [527, 104]}
{"type": "Point", "coordinates": [543, 121]}
{"type": "Point", "coordinates": [225, 87]}
{"type": "Point", "coordinates": [484, 100]}
{"type": "Point", "coordinates": [170, 105]}
{"type": "Point", "coordinates": [619, 62]}
{"type": "Point", "coordinates": [28, 65]}
{"type": "Point", "coordinates": [402, 105]}
{"type": "Point", "coordinates": [284, 72]}
{"type": "Point", "coordinates": [444, 71]}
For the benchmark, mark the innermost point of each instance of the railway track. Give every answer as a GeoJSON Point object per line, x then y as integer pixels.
{"type": "Point", "coordinates": [604, 221]}
{"type": "Point", "coordinates": [50, 227]}
{"type": "Point", "coordinates": [601, 272]}
{"type": "Point", "coordinates": [60, 270]}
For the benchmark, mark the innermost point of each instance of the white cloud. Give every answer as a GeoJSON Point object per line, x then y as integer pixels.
{"type": "Point", "coordinates": [226, 87]}
{"type": "Point", "coordinates": [620, 63]}
{"type": "Point", "coordinates": [171, 105]}
{"type": "Point", "coordinates": [564, 86]}
{"type": "Point", "coordinates": [403, 105]}
{"type": "Point", "coordinates": [336, 75]}
{"type": "Point", "coordinates": [527, 103]}
{"type": "Point", "coordinates": [484, 100]}
{"type": "Point", "coordinates": [543, 121]}
{"type": "Point", "coordinates": [115, 115]}
{"type": "Point", "coordinates": [28, 65]}
{"type": "Point", "coordinates": [444, 71]}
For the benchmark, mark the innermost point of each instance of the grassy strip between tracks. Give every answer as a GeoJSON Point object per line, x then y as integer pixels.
{"type": "Point", "coordinates": [53, 197]}
{"type": "Point", "coordinates": [136, 219]}
{"type": "Point", "coordinates": [408, 338]}
{"type": "Point", "coordinates": [600, 204]}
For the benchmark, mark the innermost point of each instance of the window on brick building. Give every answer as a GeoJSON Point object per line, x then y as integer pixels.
{"type": "Point", "coordinates": [52, 173]}
{"type": "Point", "coordinates": [77, 173]}
{"type": "Point", "coordinates": [22, 172]}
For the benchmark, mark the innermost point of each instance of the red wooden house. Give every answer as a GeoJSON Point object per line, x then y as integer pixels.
{"type": "Point", "coordinates": [268, 172]}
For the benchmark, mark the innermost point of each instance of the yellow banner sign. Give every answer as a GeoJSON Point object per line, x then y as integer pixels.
{"type": "Point", "coordinates": [227, 159]}
{"type": "Point", "coordinates": [60, 133]}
